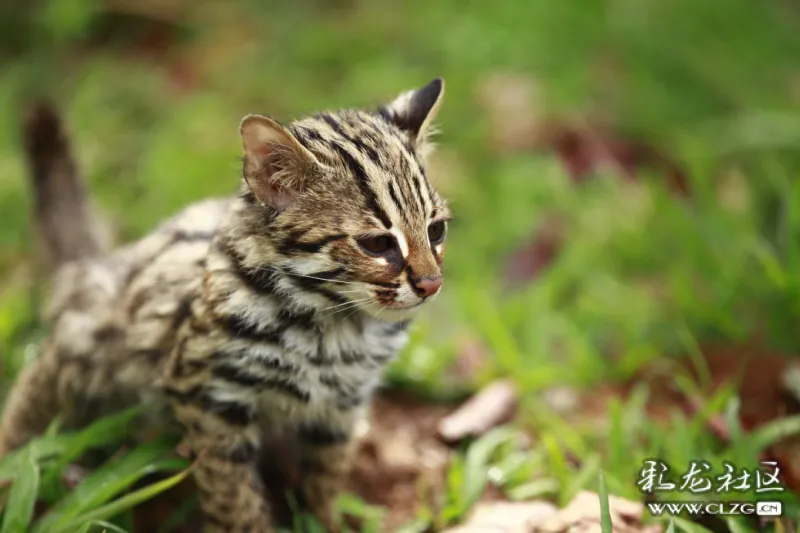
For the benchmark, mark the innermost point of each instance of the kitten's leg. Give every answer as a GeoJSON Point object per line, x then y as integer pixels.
{"type": "Point", "coordinates": [34, 399]}
{"type": "Point", "coordinates": [231, 494]}
{"type": "Point", "coordinates": [326, 452]}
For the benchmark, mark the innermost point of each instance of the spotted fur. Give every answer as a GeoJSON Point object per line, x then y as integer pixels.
{"type": "Point", "coordinates": [272, 311]}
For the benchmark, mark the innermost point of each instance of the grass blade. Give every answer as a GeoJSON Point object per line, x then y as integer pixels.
{"type": "Point", "coordinates": [123, 504]}
{"type": "Point", "coordinates": [105, 431]}
{"type": "Point", "coordinates": [605, 510]}
{"type": "Point", "coordinates": [477, 462]}
{"type": "Point", "coordinates": [688, 526]}
{"type": "Point", "coordinates": [774, 431]}
{"type": "Point", "coordinates": [558, 463]}
{"type": "Point", "coordinates": [418, 525]}
{"type": "Point", "coordinates": [533, 489]}
{"type": "Point", "coordinates": [85, 528]}
{"type": "Point", "coordinates": [107, 527]}
{"type": "Point", "coordinates": [39, 449]}
{"type": "Point", "coordinates": [583, 478]}
{"type": "Point", "coordinates": [106, 483]}
{"type": "Point", "coordinates": [735, 525]}
{"type": "Point", "coordinates": [21, 501]}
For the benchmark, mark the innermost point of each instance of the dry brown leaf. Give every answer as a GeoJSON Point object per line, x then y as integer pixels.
{"type": "Point", "coordinates": [561, 400]}
{"type": "Point", "coordinates": [787, 454]}
{"type": "Point", "coordinates": [505, 517]}
{"type": "Point", "coordinates": [399, 459]}
{"type": "Point", "coordinates": [491, 407]}
{"type": "Point", "coordinates": [583, 515]}
{"type": "Point", "coordinates": [530, 259]}
{"type": "Point", "coordinates": [733, 192]}
{"type": "Point", "coordinates": [509, 98]}
{"type": "Point", "coordinates": [472, 358]}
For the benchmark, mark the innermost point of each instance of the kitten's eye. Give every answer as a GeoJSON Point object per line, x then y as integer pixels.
{"type": "Point", "coordinates": [436, 232]}
{"type": "Point", "coordinates": [378, 245]}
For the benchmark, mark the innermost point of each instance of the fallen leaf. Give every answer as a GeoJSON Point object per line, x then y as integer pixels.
{"type": "Point", "coordinates": [505, 517]}
{"type": "Point", "coordinates": [492, 406]}
{"type": "Point", "coordinates": [399, 461]}
{"type": "Point", "coordinates": [561, 400]}
{"type": "Point", "coordinates": [528, 261]}
{"type": "Point", "coordinates": [400, 452]}
{"type": "Point", "coordinates": [585, 148]}
{"type": "Point", "coordinates": [472, 357]}
{"type": "Point", "coordinates": [583, 515]}
{"type": "Point", "coordinates": [733, 192]}
{"type": "Point", "coordinates": [510, 100]}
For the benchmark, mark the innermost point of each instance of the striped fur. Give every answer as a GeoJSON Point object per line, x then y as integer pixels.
{"type": "Point", "coordinates": [258, 314]}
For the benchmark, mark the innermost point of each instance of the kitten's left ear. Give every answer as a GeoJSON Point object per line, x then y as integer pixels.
{"type": "Point", "coordinates": [414, 111]}
{"type": "Point", "coordinates": [276, 165]}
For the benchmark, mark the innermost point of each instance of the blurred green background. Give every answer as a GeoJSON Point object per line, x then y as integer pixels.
{"type": "Point", "coordinates": [153, 91]}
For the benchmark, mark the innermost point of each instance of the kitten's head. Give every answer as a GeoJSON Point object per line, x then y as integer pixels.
{"type": "Point", "coordinates": [349, 202]}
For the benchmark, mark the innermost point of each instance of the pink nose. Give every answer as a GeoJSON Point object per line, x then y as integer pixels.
{"type": "Point", "coordinates": [427, 286]}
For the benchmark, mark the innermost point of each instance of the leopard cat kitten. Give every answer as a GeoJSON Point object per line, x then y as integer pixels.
{"type": "Point", "coordinates": [272, 311]}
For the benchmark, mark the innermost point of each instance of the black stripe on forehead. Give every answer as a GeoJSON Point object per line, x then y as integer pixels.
{"type": "Point", "coordinates": [404, 180]}
{"type": "Point", "coordinates": [389, 130]}
{"type": "Point", "coordinates": [370, 128]}
{"type": "Point", "coordinates": [350, 134]}
{"type": "Point", "coordinates": [425, 181]}
{"type": "Point", "coordinates": [362, 180]}
{"type": "Point", "coordinates": [425, 185]}
{"type": "Point", "coordinates": [419, 194]}
{"type": "Point", "coordinates": [369, 152]}
{"type": "Point", "coordinates": [400, 173]}
{"type": "Point", "coordinates": [398, 203]}
{"type": "Point", "coordinates": [413, 175]}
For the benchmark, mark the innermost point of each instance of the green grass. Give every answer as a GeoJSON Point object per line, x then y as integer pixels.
{"type": "Point", "coordinates": [36, 474]}
{"type": "Point", "coordinates": [643, 275]}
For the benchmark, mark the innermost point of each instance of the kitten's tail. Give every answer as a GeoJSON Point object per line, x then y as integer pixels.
{"type": "Point", "coordinates": [62, 214]}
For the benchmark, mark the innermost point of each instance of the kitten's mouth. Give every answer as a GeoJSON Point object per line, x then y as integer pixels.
{"type": "Point", "coordinates": [402, 307]}
{"type": "Point", "coordinates": [396, 310]}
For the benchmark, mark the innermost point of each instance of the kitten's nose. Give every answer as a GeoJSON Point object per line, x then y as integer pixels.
{"type": "Point", "coordinates": [428, 286]}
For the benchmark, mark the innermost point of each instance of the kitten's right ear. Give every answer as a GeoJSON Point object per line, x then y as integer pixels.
{"type": "Point", "coordinates": [414, 111]}
{"type": "Point", "coordinates": [276, 165]}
